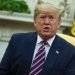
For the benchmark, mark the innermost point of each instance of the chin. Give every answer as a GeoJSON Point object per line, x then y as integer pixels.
{"type": "Point", "coordinates": [47, 35]}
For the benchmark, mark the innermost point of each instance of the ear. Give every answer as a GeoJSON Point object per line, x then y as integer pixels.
{"type": "Point", "coordinates": [58, 26]}
{"type": "Point", "coordinates": [35, 21]}
{"type": "Point", "coordinates": [34, 24]}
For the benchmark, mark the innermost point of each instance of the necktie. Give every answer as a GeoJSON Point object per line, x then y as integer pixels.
{"type": "Point", "coordinates": [38, 61]}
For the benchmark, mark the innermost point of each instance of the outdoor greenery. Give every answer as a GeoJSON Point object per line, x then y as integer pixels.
{"type": "Point", "coordinates": [14, 6]}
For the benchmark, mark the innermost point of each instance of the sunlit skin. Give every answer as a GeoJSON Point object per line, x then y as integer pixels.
{"type": "Point", "coordinates": [46, 24]}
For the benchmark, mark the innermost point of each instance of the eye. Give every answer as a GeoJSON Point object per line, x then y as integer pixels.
{"type": "Point", "coordinates": [42, 17]}
{"type": "Point", "coordinates": [51, 17]}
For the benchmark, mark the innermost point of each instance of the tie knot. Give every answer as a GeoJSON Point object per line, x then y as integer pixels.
{"type": "Point", "coordinates": [45, 42]}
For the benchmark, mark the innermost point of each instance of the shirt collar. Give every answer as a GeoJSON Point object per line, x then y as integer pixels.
{"type": "Point", "coordinates": [50, 41]}
{"type": "Point", "coordinates": [39, 39]}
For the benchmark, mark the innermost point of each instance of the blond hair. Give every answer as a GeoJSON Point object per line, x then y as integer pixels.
{"type": "Point", "coordinates": [45, 6]}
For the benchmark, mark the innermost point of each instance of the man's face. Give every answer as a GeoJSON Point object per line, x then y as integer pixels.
{"type": "Point", "coordinates": [47, 23]}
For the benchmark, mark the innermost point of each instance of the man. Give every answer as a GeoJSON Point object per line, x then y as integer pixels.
{"type": "Point", "coordinates": [22, 53]}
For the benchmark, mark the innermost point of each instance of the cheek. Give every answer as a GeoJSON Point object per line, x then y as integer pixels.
{"type": "Point", "coordinates": [55, 26]}
{"type": "Point", "coordinates": [55, 23]}
{"type": "Point", "coordinates": [38, 24]}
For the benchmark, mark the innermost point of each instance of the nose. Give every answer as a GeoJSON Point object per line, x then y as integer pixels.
{"type": "Point", "coordinates": [47, 21]}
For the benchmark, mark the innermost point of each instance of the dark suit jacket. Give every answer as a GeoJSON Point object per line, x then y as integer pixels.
{"type": "Point", "coordinates": [18, 56]}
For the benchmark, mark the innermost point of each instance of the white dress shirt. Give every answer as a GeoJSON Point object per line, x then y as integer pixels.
{"type": "Point", "coordinates": [39, 44]}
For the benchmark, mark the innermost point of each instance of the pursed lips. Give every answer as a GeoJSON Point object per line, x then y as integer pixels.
{"type": "Point", "coordinates": [46, 29]}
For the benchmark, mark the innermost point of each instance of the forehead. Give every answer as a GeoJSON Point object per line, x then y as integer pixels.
{"type": "Point", "coordinates": [48, 13]}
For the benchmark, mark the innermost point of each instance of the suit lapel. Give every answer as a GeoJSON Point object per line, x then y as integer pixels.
{"type": "Point", "coordinates": [29, 51]}
{"type": "Point", "coordinates": [31, 47]}
{"type": "Point", "coordinates": [53, 54]}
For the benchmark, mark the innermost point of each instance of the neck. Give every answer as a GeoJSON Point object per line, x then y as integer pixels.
{"type": "Point", "coordinates": [46, 38]}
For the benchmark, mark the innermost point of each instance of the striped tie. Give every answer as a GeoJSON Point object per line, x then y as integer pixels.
{"type": "Point", "coordinates": [37, 64]}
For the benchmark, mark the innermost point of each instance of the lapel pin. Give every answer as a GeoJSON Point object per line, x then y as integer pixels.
{"type": "Point", "coordinates": [57, 52]}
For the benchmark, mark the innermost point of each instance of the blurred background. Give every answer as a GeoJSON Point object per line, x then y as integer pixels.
{"type": "Point", "coordinates": [16, 16]}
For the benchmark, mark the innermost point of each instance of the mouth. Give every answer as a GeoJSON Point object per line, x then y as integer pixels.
{"type": "Point", "coordinates": [46, 29]}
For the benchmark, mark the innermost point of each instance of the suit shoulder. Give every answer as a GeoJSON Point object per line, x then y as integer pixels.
{"type": "Point", "coordinates": [64, 43]}
{"type": "Point", "coordinates": [23, 35]}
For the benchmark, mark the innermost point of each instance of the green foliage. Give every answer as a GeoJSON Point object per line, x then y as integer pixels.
{"type": "Point", "coordinates": [14, 6]}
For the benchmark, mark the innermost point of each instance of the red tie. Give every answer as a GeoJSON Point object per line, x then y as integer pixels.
{"type": "Point", "coordinates": [39, 59]}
